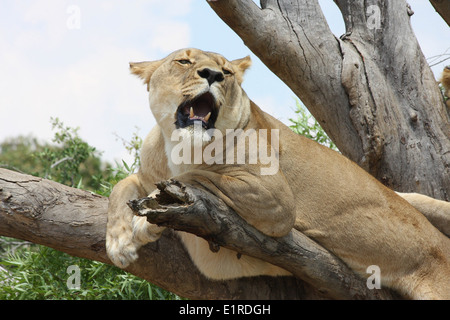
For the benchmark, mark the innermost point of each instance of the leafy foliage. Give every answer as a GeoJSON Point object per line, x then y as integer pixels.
{"type": "Point", "coordinates": [69, 160]}
{"type": "Point", "coordinates": [441, 87]}
{"type": "Point", "coordinates": [18, 154]}
{"type": "Point", "coordinates": [306, 125]}
{"type": "Point", "coordinates": [30, 271]}
{"type": "Point", "coordinates": [38, 272]}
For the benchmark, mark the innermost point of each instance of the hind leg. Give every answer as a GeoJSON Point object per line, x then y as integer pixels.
{"type": "Point", "coordinates": [430, 284]}
{"type": "Point", "coordinates": [436, 211]}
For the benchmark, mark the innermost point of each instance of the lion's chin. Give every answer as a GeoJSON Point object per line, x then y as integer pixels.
{"type": "Point", "coordinates": [196, 134]}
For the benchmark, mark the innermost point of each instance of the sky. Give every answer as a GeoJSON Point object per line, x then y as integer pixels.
{"type": "Point", "coordinates": [69, 59]}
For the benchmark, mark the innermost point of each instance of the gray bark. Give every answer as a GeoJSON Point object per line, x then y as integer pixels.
{"type": "Point", "coordinates": [74, 221]}
{"type": "Point", "coordinates": [371, 90]}
{"type": "Point", "coordinates": [185, 208]}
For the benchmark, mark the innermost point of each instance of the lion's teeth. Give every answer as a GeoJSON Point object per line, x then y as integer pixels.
{"type": "Point", "coordinates": [206, 118]}
{"type": "Point", "coordinates": [192, 112]}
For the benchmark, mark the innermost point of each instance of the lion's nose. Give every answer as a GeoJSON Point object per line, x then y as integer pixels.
{"type": "Point", "coordinates": [211, 75]}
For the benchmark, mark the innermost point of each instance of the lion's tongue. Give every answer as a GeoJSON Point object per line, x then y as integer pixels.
{"type": "Point", "coordinates": [200, 114]}
{"type": "Point", "coordinates": [202, 107]}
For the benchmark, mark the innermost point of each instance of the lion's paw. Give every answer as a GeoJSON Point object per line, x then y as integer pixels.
{"type": "Point", "coordinates": [126, 235]}
{"type": "Point", "coordinates": [145, 232]}
{"type": "Point", "coordinates": [122, 250]}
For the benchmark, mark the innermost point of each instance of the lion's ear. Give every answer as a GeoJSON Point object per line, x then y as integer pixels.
{"type": "Point", "coordinates": [241, 65]}
{"type": "Point", "coordinates": [144, 70]}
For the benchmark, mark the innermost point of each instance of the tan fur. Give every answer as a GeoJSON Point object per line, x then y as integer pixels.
{"type": "Point", "coordinates": [445, 81]}
{"type": "Point", "coordinates": [436, 211]}
{"type": "Point", "coordinates": [316, 190]}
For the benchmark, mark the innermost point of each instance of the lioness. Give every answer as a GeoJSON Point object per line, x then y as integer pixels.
{"type": "Point", "coordinates": [315, 190]}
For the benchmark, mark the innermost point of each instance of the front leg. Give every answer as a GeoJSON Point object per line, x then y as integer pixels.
{"type": "Point", "coordinates": [264, 201]}
{"type": "Point", "coordinates": [125, 232]}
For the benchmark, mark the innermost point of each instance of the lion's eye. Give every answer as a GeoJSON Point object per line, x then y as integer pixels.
{"type": "Point", "coordinates": [184, 61]}
{"type": "Point", "coordinates": [225, 71]}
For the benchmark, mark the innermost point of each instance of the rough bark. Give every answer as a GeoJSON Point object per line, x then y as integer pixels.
{"type": "Point", "coordinates": [74, 221]}
{"type": "Point", "coordinates": [371, 90]}
{"type": "Point", "coordinates": [185, 208]}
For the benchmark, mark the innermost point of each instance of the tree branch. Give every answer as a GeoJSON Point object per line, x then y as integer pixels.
{"type": "Point", "coordinates": [443, 8]}
{"type": "Point", "coordinates": [197, 211]}
{"type": "Point", "coordinates": [293, 39]}
{"type": "Point", "coordinates": [74, 221]}
{"type": "Point", "coordinates": [376, 98]}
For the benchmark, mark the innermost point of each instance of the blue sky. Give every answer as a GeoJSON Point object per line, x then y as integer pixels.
{"type": "Point", "coordinates": [51, 66]}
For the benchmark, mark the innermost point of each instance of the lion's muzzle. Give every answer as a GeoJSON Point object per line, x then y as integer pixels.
{"type": "Point", "coordinates": [202, 108]}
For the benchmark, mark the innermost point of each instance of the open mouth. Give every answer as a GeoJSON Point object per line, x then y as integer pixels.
{"type": "Point", "coordinates": [202, 108]}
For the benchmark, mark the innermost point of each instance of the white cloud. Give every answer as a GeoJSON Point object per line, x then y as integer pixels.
{"type": "Point", "coordinates": [81, 75]}
{"type": "Point", "coordinates": [170, 36]}
{"type": "Point", "coordinates": [279, 108]}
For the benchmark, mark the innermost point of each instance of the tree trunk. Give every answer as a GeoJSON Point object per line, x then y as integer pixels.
{"type": "Point", "coordinates": [371, 90]}
{"type": "Point", "coordinates": [74, 221]}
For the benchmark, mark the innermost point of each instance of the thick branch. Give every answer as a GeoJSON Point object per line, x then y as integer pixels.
{"type": "Point", "coordinates": [443, 8]}
{"type": "Point", "coordinates": [292, 38]}
{"type": "Point", "coordinates": [371, 90]}
{"type": "Point", "coordinates": [194, 210]}
{"type": "Point", "coordinates": [74, 221]}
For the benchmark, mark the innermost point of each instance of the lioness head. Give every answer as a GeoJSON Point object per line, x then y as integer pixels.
{"type": "Point", "coordinates": [191, 85]}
